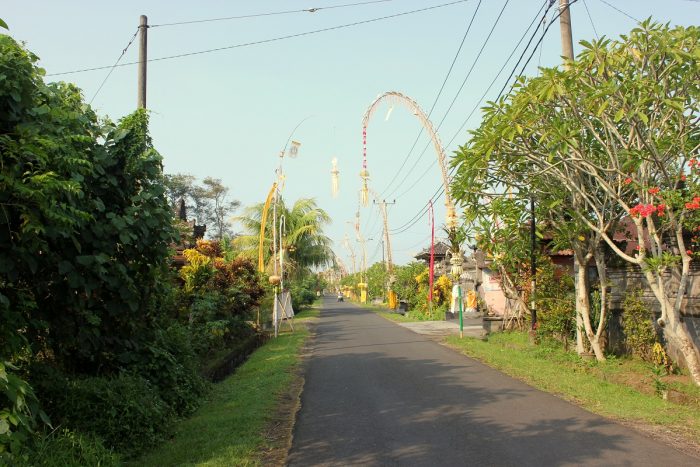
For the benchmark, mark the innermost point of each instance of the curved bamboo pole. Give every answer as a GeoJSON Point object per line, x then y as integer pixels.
{"type": "Point", "coordinates": [397, 97]}
{"type": "Point", "coordinates": [263, 222]}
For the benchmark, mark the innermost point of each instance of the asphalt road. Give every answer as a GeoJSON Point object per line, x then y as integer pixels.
{"type": "Point", "coordinates": [379, 394]}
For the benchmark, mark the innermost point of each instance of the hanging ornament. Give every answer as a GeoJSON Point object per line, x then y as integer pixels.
{"type": "Point", "coordinates": [364, 193]}
{"type": "Point", "coordinates": [388, 114]}
{"type": "Point", "coordinates": [294, 149]}
{"type": "Point", "coordinates": [364, 173]}
{"type": "Point", "coordinates": [334, 178]}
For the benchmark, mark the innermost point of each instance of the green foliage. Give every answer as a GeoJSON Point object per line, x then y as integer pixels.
{"type": "Point", "coordinates": [637, 324]}
{"type": "Point", "coordinates": [555, 302]}
{"type": "Point", "coordinates": [123, 410]}
{"type": "Point", "coordinates": [65, 448]}
{"type": "Point", "coordinates": [305, 243]}
{"type": "Point", "coordinates": [407, 286]}
{"type": "Point", "coordinates": [170, 364]}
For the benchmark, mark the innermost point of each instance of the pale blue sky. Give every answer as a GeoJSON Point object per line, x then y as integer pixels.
{"type": "Point", "coordinates": [227, 114]}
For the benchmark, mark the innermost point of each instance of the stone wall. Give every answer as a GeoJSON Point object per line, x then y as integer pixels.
{"type": "Point", "coordinates": [624, 280]}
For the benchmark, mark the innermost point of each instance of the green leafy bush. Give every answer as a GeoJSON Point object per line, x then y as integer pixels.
{"type": "Point", "coordinates": [125, 410]}
{"type": "Point", "coordinates": [637, 324]}
{"type": "Point", "coordinates": [171, 366]}
{"type": "Point", "coordinates": [65, 448]}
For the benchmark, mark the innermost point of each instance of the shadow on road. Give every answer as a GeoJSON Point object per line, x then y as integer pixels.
{"type": "Point", "coordinates": [377, 394]}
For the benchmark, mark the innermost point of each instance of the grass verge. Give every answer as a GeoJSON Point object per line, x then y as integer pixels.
{"type": "Point", "coordinates": [622, 389]}
{"type": "Point", "coordinates": [229, 428]}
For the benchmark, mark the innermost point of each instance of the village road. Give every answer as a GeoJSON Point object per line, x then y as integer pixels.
{"type": "Point", "coordinates": [379, 394]}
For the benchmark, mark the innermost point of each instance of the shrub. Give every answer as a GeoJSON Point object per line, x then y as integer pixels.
{"type": "Point", "coordinates": [65, 448]}
{"type": "Point", "coordinates": [125, 410]}
{"type": "Point", "coordinates": [637, 324]}
{"type": "Point", "coordinates": [171, 366]}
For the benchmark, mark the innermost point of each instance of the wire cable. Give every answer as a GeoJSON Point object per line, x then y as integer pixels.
{"type": "Point", "coordinates": [273, 39]}
{"type": "Point", "coordinates": [590, 18]}
{"type": "Point", "coordinates": [272, 13]}
{"type": "Point", "coordinates": [479, 102]}
{"type": "Point", "coordinates": [114, 66]}
{"type": "Point", "coordinates": [440, 190]}
{"type": "Point", "coordinates": [464, 81]}
{"type": "Point", "coordinates": [620, 11]}
{"type": "Point", "coordinates": [437, 97]}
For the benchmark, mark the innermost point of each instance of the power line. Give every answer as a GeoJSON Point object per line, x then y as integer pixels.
{"type": "Point", "coordinates": [113, 66]}
{"type": "Point", "coordinates": [265, 41]}
{"type": "Point", "coordinates": [522, 55]}
{"type": "Point", "coordinates": [471, 69]}
{"type": "Point", "coordinates": [437, 97]}
{"type": "Point", "coordinates": [544, 33]}
{"type": "Point", "coordinates": [590, 18]}
{"type": "Point", "coordinates": [481, 99]}
{"type": "Point", "coordinates": [272, 13]}
{"type": "Point", "coordinates": [440, 190]}
{"type": "Point", "coordinates": [620, 11]}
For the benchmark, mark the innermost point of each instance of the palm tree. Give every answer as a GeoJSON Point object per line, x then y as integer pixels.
{"type": "Point", "coordinates": [304, 243]}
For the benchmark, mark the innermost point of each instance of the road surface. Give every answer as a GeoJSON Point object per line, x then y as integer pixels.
{"type": "Point", "coordinates": [379, 394]}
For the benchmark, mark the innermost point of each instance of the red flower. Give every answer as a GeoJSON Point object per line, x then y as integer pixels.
{"type": "Point", "coordinates": [683, 177]}
{"type": "Point", "coordinates": [627, 181]}
{"type": "Point", "coordinates": [654, 190]}
{"type": "Point", "coordinates": [690, 252]}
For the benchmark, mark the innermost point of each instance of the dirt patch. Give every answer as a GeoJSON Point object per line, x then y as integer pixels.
{"type": "Point", "coordinates": [279, 431]}
{"type": "Point", "coordinates": [675, 437]}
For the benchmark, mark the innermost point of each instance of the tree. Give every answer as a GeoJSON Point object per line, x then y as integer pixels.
{"type": "Point", "coordinates": [619, 131]}
{"type": "Point", "coordinates": [222, 209]}
{"type": "Point", "coordinates": [304, 243]}
{"type": "Point", "coordinates": [206, 204]}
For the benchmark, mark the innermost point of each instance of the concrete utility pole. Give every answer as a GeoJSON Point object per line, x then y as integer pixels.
{"type": "Point", "coordinates": [567, 42]}
{"type": "Point", "coordinates": [143, 58]}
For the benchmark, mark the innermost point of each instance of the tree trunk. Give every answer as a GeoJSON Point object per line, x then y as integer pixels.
{"type": "Point", "coordinates": [677, 338]}
{"type": "Point", "coordinates": [582, 302]}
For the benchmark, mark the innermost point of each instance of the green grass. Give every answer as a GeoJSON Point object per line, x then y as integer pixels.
{"type": "Point", "coordinates": [227, 429]}
{"type": "Point", "coordinates": [306, 314]}
{"type": "Point", "coordinates": [607, 388]}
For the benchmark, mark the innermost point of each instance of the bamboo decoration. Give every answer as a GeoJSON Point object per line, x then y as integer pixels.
{"type": "Point", "coordinates": [263, 222]}
{"type": "Point", "coordinates": [334, 178]}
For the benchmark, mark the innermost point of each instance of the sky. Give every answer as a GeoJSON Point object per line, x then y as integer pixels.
{"type": "Point", "coordinates": [228, 113]}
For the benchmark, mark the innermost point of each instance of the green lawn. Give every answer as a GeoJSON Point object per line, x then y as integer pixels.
{"type": "Point", "coordinates": [622, 389]}
{"type": "Point", "coordinates": [228, 429]}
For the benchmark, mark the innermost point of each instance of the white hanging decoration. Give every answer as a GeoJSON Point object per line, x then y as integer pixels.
{"type": "Point", "coordinates": [334, 178]}
{"type": "Point", "coordinates": [294, 149]}
{"type": "Point", "coordinates": [388, 114]}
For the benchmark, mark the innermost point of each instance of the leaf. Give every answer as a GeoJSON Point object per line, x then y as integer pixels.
{"type": "Point", "coordinates": [4, 25]}
{"type": "Point", "coordinates": [618, 115]}
{"type": "Point", "coordinates": [45, 418]}
{"type": "Point", "coordinates": [4, 426]}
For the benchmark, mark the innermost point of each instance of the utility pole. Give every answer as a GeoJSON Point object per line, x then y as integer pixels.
{"type": "Point", "coordinates": [143, 59]}
{"type": "Point", "coordinates": [567, 42]}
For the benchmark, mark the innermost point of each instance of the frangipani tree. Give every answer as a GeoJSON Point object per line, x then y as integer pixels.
{"type": "Point", "coordinates": [619, 131]}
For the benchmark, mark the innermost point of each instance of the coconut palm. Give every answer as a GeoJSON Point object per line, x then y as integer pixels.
{"type": "Point", "coordinates": [304, 243]}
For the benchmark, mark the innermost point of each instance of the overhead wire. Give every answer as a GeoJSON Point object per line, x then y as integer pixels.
{"type": "Point", "coordinates": [266, 41]}
{"type": "Point", "coordinates": [590, 18]}
{"type": "Point", "coordinates": [440, 190]}
{"type": "Point", "coordinates": [272, 13]}
{"type": "Point", "coordinates": [437, 97]}
{"type": "Point", "coordinates": [114, 66]}
{"type": "Point", "coordinates": [479, 102]}
{"type": "Point", "coordinates": [464, 81]}
{"type": "Point", "coordinates": [620, 11]}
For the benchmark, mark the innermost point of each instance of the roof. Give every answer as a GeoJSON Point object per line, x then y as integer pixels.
{"type": "Point", "coordinates": [440, 251]}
